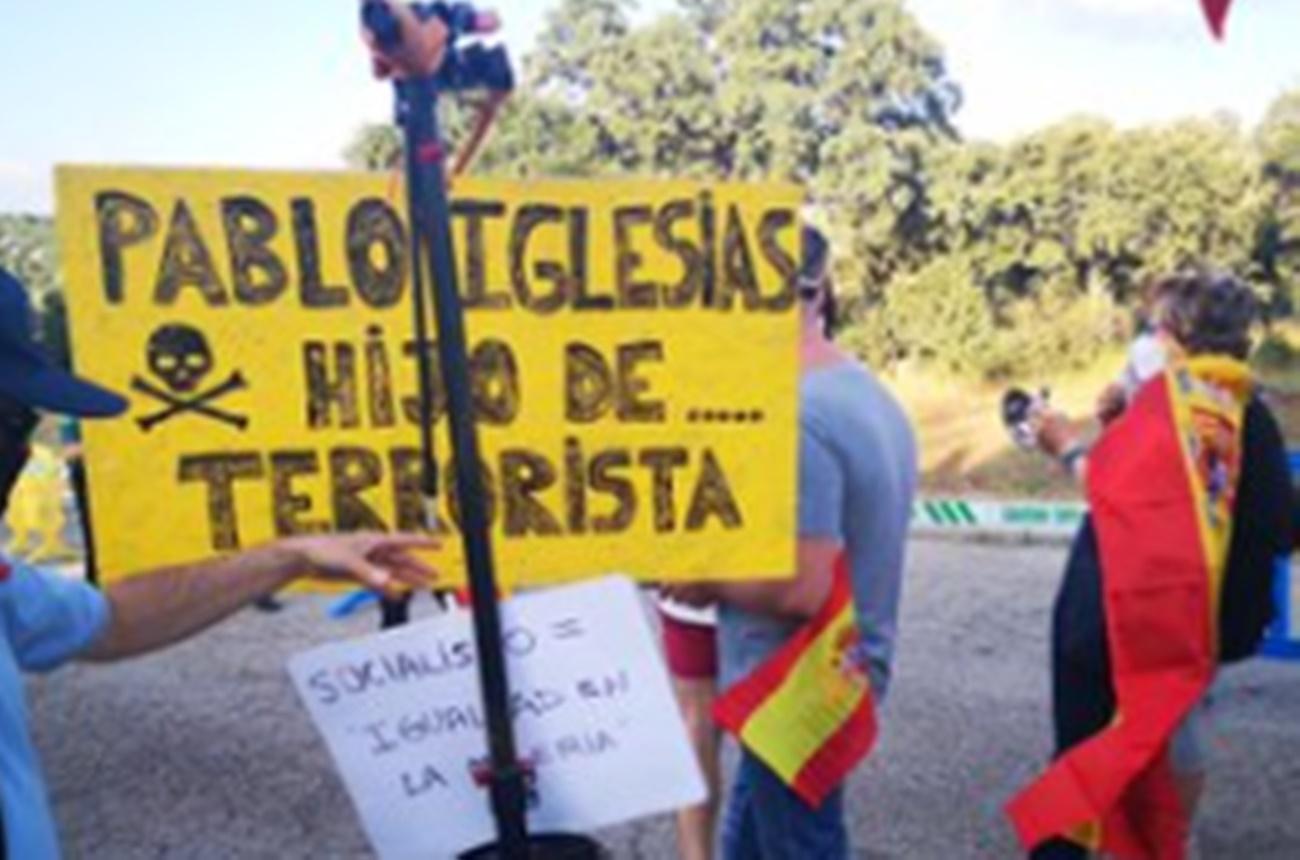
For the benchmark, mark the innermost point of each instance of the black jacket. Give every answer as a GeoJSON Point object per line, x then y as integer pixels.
{"type": "Point", "coordinates": [1262, 532]}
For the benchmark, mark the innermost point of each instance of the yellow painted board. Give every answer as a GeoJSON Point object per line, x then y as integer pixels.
{"type": "Point", "coordinates": [634, 347]}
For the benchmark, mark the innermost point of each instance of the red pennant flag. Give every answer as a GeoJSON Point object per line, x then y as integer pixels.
{"type": "Point", "coordinates": [1216, 11]}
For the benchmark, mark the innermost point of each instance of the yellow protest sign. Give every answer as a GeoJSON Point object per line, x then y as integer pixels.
{"type": "Point", "coordinates": [633, 350]}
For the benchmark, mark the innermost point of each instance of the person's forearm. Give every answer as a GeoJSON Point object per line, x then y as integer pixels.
{"type": "Point", "coordinates": [154, 610]}
{"type": "Point", "coordinates": [789, 599]}
{"type": "Point", "coordinates": [1075, 464]}
{"type": "Point", "coordinates": [758, 598]}
{"type": "Point", "coordinates": [797, 598]}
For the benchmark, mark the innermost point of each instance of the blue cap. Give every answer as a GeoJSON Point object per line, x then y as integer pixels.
{"type": "Point", "coordinates": [28, 376]}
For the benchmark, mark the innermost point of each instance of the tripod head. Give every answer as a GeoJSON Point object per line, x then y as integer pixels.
{"type": "Point", "coordinates": [421, 40]}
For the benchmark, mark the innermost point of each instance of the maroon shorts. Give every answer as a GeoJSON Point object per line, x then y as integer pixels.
{"type": "Point", "coordinates": [692, 649]}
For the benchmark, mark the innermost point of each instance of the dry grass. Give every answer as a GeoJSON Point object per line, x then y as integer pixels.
{"type": "Point", "coordinates": [965, 449]}
{"type": "Point", "coordinates": [1282, 381]}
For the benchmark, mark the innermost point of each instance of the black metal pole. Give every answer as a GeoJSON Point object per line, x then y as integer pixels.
{"type": "Point", "coordinates": [431, 246]}
{"type": "Point", "coordinates": [396, 611]}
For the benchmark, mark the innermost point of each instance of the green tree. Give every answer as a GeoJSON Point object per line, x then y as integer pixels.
{"type": "Point", "coordinates": [983, 258]}
{"type": "Point", "coordinates": [1102, 208]}
{"type": "Point", "coordinates": [531, 137]}
{"type": "Point", "coordinates": [1278, 253]}
{"type": "Point", "coordinates": [28, 250]}
{"type": "Point", "coordinates": [850, 98]}
{"type": "Point", "coordinates": [1056, 231]}
{"type": "Point", "coordinates": [641, 100]}
{"type": "Point", "coordinates": [375, 147]}
{"type": "Point", "coordinates": [1278, 136]}
{"type": "Point", "coordinates": [847, 97]}
{"type": "Point", "coordinates": [538, 138]}
{"type": "Point", "coordinates": [937, 315]}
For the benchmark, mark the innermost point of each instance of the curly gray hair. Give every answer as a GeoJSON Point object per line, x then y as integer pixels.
{"type": "Point", "coordinates": [1207, 313]}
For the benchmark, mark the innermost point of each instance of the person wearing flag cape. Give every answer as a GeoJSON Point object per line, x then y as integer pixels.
{"type": "Point", "coordinates": [1168, 579]}
{"type": "Point", "coordinates": [804, 661]}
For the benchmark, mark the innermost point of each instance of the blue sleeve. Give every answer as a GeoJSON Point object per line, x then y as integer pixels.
{"type": "Point", "coordinates": [51, 618]}
{"type": "Point", "coordinates": [821, 487]}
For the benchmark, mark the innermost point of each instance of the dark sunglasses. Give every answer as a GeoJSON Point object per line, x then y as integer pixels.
{"type": "Point", "coordinates": [811, 288]}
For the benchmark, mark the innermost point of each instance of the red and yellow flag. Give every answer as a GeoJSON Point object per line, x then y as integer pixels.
{"type": "Point", "coordinates": [1216, 12]}
{"type": "Point", "coordinates": [1161, 485]}
{"type": "Point", "coordinates": [808, 712]}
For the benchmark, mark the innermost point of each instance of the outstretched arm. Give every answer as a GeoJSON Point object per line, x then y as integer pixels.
{"type": "Point", "coordinates": [1058, 439]}
{"type": "Point", "coordinates": [155, 610]}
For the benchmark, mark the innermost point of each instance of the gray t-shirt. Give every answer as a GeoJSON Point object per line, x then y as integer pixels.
{"type": "Point", "coordinates": [857, 479]}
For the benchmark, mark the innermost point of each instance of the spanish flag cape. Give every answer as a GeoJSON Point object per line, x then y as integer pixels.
{"type": "Point", "coordinates": [808, 713]}
{"type": "Point", "coordinates": [1161, 485]}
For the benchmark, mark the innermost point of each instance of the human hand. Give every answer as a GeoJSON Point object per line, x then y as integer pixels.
{"type": "Point", "coordinates": [1054, 432]}
{"type": "Point", "coordinates": [1112, 403]}
{"type": "Point", "coordinates": [487, 21]}
{"type": "Point", "coordinates": [422, 48]}
{"type": "Point", "coordinates": [378, 561]}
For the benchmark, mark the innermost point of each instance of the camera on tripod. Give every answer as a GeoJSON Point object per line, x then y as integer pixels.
{"type": "Point", "coordinates": [421, 39]}
{"type": "Point", "coordinates": [1019, 408]}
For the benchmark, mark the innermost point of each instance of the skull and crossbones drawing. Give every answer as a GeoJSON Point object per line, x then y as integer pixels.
{"type": "Point", "coordinates": [179, 355]}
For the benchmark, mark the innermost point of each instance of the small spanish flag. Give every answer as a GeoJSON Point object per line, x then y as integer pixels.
{"type": "Point", "coordinates": [1216, 12]}
{"type": "Point", "coordinates": [1161, 489]}
{"type": "Point", "coordinates": [808, 712]}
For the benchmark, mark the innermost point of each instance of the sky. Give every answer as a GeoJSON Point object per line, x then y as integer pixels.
{"type": "Point", "coordinates": [285, 83]}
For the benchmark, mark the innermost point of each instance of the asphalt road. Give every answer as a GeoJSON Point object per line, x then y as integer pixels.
{"type": "Point", "coordinates": [205, 752]}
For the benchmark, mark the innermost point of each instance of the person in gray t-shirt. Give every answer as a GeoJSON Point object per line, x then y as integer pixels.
{"type": "Point", "coordinates": [857, 479]}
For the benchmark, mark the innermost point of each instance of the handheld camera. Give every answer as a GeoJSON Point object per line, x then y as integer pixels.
{"type": "Point", "coordinates": [1018, 410]}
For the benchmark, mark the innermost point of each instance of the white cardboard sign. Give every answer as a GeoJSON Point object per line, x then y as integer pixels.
{"type": "Point", "coordinates": [592, 705]}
